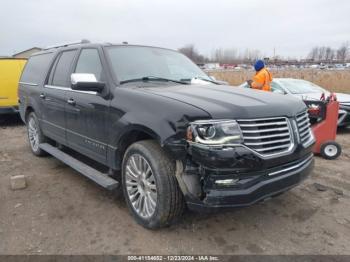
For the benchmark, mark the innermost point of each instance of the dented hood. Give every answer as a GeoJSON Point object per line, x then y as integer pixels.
{"type": "Point", "coordinates": [229, 102]}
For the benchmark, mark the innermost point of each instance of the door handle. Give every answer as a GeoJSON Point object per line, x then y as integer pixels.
{"type": "Point", "coordinates": [42, 96]}
{"type": "Point", "coordinates": [71, 101]}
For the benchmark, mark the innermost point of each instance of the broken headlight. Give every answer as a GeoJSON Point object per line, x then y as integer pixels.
{"type": "Point", "coordinates": [215, 132]}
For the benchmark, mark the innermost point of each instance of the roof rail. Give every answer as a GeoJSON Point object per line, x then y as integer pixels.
{"type": "Point", "coordinates": [83, 41]}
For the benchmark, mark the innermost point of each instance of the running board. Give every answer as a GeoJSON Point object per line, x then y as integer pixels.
{"type": "Point", "coordinates": [100, 178]}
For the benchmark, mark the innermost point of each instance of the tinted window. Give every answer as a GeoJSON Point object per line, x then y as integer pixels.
{"type": "Point", "coordinates": [61, 75]}
{"type": "Point", "coordinates": [36, 68]}
{"type": "Point", "coordinates": [89, 62]}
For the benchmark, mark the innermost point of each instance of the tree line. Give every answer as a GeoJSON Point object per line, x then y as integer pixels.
{"type": "Point", "coordinates": [328, 54]}
{"type": "Point", "coordinates": [234, 56]}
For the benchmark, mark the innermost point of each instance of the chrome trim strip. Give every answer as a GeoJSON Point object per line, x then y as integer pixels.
{"type": "Point", "coordinates": [67, 130]}
{"type": "Point", "coordinates": [70, 89]}
{"type": "Point", "coordinates": [310, 141]}
{"type": "Point", "coordinates": [273, 148]}
{"type": "Point", "coordinates": [262, 119]}
{"type": "Point", "coordinates": [304, 133]}
{"type": "Point", "coordinates": [268, 142]}
{"type": "Point", "coordinates": [304, 122]}
{"type": "Point", "coordinates": [264, 124]}
{"type": "Point", "coordinates": [264, 130]}
{"type": "Point", "coordinates": [28, 84]}
{"type": "Point", "coordinates": [268, 136]}
{"type": "Point", "coordinates": [306, 161]}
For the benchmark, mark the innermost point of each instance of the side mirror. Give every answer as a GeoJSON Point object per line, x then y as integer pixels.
{"type": "Point", "coordinates": [86, 82]}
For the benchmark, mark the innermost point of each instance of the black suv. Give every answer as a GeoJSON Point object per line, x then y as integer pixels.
{"type": "Point", "coordinates": [150, 120]}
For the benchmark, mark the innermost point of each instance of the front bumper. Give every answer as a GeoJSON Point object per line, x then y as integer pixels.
{"type": "Point", "coordinates": [252, 179]}
{"type": "Point", "coordinates": [255, 189]}
{"type": "Point", "coordinates": [9, 110]}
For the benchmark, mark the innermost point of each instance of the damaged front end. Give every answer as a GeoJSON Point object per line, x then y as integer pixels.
{"type": "Point", "coordinates": [222, 171]}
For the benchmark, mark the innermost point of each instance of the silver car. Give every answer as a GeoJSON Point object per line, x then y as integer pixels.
{"type": "Point", "coordinates": [309, 91]}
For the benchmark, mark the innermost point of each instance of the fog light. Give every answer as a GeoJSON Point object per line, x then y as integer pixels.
{"type": "Point", "coordinates": [227, 182]}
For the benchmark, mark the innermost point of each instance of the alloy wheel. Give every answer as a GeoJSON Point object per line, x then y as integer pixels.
{"type": "Point", "coordinates": [33, 134]}
{"type": "Point", "coordinates": [141, 185]}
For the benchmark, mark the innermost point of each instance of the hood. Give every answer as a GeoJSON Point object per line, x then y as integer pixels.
{"type": "Point", "coordinates": [342, 98]}
{"type": "Point", "coordinates": [310, 96]}
{"type": "Point", "coordinates": [231, 102]}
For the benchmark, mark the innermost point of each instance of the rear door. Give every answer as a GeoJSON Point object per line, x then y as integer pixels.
{"type": "Point", "coordinates": [87, 112]}
{"type": "Point", "coordinates": [54, 96]}
{"type": "Point", "coordinates": [32, 83]}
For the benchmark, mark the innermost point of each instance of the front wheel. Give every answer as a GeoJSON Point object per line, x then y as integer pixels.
{"type": "Point", "coordinates": [150, 186]}
{"type": "Point", "coordinates": [330, 150]}
{"type": "Point", "coordinates": [35, 136]}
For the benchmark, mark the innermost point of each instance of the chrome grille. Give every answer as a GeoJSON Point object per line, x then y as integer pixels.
{"type": "Point", "coordinates": [267, 136]}
{"type": "Point", "coordinates": [303, 123]}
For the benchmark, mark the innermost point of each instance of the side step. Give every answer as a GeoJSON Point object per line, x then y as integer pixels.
{"type": "Point", "coordinates": [100, 178]}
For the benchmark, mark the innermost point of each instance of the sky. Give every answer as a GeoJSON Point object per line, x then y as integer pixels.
{"type": "Point", "coordinates": [291, 27]}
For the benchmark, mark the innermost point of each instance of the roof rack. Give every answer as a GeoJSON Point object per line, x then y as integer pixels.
{"type": "Point", "coordinates": [83, 41]}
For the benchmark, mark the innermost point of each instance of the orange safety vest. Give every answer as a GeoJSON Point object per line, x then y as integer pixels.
{"type": "Point", "coordinates": [262, 80]}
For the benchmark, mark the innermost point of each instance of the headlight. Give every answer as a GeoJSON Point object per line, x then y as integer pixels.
{"type": "Point", "coordinates": [215, 132]}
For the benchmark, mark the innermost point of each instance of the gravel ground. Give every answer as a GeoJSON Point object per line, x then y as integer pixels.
{"type": "Point", "coordinates": [61, 212]}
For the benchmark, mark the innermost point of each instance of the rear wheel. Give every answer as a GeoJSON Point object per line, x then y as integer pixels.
{"type": "Point", "coordinates": [35, 136]}
{"type": "Point", "coordinates": [150, 186]}
{"type": "Point", "coordinates": [330, 150]}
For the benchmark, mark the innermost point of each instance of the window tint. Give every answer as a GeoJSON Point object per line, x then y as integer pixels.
{"type": "Point", "coordinates": [61, 75]}
{"type": "Point", "coordinates": [36, 68]}
{"type": "Point", "coordinates": [89, 62]}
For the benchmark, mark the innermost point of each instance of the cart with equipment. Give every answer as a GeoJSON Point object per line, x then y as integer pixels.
{"type": "Point", "coordinates": [324, 120]}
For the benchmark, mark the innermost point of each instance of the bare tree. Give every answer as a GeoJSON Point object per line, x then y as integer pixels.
{"type": "Point", "coordinates": [342, 52]}
{"type": "Point", "coordinates": [191, 52]}
{"type": "Point", "coordinates": [329, 55]}
{"type": "Point", "coordinates": [226, 56]}
{"type": "Point", "coordinates": [322, 53]}
{"type": "Point", "coordinates": [313, 54]}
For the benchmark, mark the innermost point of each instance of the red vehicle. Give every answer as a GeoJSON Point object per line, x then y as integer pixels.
{"type": "Point", "coordinates": [324, 119]}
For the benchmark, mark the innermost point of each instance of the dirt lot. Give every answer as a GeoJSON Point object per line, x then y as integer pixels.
{"type": "Point", "coordinates": [61, 212]}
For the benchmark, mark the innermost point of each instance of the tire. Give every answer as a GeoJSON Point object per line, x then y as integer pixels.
{"type": "Point", "coordinates": [35, 135]}
{"type": "Point", "coordinates": [330, 150]}
{"type": "Point", "coordinates": [158, 201]}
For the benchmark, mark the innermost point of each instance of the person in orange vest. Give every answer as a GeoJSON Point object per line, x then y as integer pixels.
{"type": "Point", "coordinates": [262, 79]}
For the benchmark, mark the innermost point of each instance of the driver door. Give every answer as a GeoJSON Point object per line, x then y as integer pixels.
{"type": "Point", "coordinates": [87, 112]}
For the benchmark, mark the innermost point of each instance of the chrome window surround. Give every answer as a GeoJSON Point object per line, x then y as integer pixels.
{"type": "Point", "coordinates": [70, 89]}
{"type": "Point", "coordinates": [28, 84]}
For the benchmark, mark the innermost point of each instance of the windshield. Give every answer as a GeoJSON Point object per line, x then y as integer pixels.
{"type": "Point", "coordinates": [136, 62]}
{"type": "Point", "coordinates": [301, 86]}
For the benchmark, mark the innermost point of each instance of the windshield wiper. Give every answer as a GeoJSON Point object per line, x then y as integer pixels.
{"type": "Point", "coordinates": [153, 78]}
{"type": "Point", "coordinates": [201, 78]}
